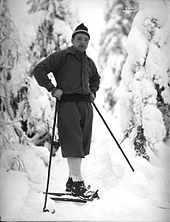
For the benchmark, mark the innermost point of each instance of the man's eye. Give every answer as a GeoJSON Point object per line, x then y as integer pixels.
{"type": "Point", "coordinates": [85, 40]}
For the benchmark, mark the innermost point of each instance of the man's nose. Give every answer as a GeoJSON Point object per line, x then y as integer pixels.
{"type": "Point", "coordinates": [83, 42]}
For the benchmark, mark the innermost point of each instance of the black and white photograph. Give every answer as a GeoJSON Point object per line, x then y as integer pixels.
{"type": "Point", "coordinates": [85, 110]}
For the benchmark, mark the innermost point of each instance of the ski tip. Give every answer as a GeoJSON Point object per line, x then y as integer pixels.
{"type": "Point", "coordinates": [96, 195]}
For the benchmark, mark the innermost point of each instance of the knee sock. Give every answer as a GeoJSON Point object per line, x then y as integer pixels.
{"type": "Point", "coordinates": [75, 168]}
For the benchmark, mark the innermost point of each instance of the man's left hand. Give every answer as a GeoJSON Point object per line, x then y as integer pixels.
{"type": "Point", "coordinates": [92, 97]}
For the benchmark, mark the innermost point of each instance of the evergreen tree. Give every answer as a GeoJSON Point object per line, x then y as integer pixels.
{"type": "Point", "coordinates": [118, 19]}
{"type": "Point", "coordinates": [52, 32]}
{"type": "Point", "coordinates": [145, 77]}
{"type": "Point", "coordinates": [12, 94]}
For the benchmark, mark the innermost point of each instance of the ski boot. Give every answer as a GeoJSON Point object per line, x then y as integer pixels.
{"type": "Point", "coordinates": [79, 189]}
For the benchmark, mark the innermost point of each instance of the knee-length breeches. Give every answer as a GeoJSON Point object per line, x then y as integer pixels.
{"type": "Point", "coordinates": [75, 128]}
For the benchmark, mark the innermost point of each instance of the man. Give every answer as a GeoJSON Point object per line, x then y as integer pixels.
{"type": "Point", "coordinates": [77, 82]}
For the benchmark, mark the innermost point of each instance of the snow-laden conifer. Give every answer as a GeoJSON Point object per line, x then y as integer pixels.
{"type": "Point", "coordinates": [145, 90]}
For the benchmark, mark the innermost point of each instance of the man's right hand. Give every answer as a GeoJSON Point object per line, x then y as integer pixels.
{"type": "Point", "coordinates": [57, 93]}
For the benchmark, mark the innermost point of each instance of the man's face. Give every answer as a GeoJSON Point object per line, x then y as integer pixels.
{"type": "Point", "coordinates": [80, 42]}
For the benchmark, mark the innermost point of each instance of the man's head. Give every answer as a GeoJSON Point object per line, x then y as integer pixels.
{"type": "Point", "coordinates": [80, 38]}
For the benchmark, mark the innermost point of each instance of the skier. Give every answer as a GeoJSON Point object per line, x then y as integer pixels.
{"type": "Point", "coordinates": [77, 81]}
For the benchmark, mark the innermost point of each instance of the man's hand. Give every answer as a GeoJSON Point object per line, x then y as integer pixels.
{"type": "Point", "coordinates": [92, 97]}
{"type": "Point", "coordinates": [57, 93]}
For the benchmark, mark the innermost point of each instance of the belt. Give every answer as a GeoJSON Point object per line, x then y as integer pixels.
{"type": "Point", "coordinates": [74, 97]}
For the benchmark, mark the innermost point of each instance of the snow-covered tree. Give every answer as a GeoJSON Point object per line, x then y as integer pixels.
{"type": "Point", "coordinates": [12, 90]}
{"type": "Point", "coordinates": [145, 93]}
{"type": "Point", "coordinates": [118, 19]}
{"type": "Point", "coordinates": [52, 32]}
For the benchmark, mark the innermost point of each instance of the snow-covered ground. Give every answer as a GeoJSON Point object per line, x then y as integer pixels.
{"type": "Point", "coordinates": [142, 195]}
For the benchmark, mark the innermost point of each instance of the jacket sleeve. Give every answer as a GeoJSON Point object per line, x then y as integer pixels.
{"type": "Point", "coordinates": [95, 79]}
{"type": "Point", "coordinates": [42, 69]}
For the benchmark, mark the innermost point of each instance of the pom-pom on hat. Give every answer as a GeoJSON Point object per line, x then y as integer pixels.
{"type": "Point", "coordinates": [81, 29]}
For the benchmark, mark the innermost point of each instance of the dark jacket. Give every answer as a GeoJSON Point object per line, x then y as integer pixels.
{"type": "Point", "coordinates": [73, 72]}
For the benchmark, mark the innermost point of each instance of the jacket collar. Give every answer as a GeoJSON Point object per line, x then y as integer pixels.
{"type": "Point", "coordinates": [72, 50]}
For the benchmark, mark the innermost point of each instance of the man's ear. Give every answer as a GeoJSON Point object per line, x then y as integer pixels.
{"type": "Point", "coordinates": [71, 40]}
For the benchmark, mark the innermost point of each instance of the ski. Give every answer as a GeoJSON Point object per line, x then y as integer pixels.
{"type": "Point", "coordinates": [69, 197]}
{"type": "Point", "coordinates": [59, 194]}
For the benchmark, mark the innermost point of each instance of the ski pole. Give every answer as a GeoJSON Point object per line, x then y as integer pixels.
{"type": "Point", "coordinates": [50, 157]}
{"type": "Point", "coordinates": [112, 135]}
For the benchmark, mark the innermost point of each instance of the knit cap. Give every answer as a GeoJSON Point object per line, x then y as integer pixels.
{"type": "Point", "coordinates": [81, 29]}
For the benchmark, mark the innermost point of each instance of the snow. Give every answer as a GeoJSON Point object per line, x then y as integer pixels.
{"type": "Point", "coordinates": [125, 195]}
{"type": "Point", "coordinates": [147, 65]}
{"type": "Point", "coordinates": [142, 195]}
{"type": "Point", "coordinates": [153, 124]}
{"type": "Point", "coordinates": [37, 96]}
{"type": "Point", "coordinates": [139, 49]}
